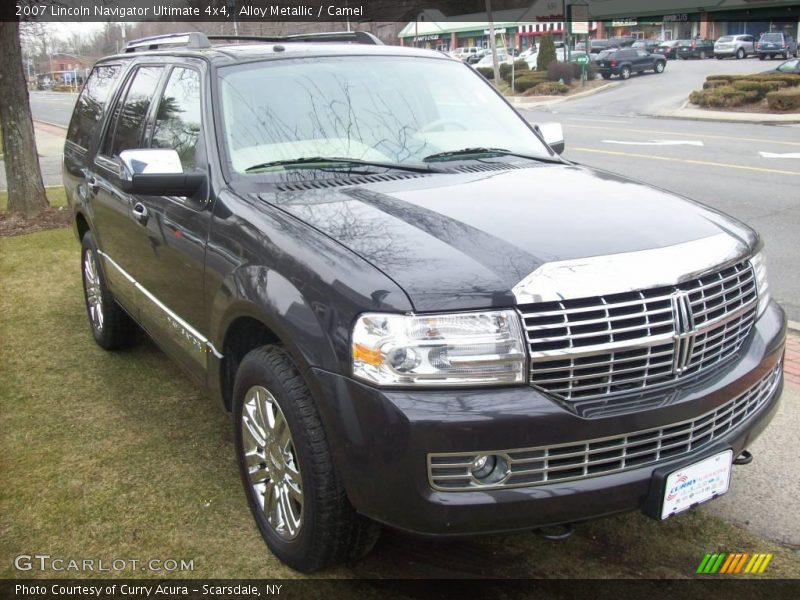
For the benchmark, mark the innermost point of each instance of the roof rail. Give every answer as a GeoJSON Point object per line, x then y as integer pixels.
{"type": "Point", "coordinates": [192, 40]}
{"type": "Point", "coordinates": [197, 39]}
{"type": "Point", "coordinates": [358, 37]}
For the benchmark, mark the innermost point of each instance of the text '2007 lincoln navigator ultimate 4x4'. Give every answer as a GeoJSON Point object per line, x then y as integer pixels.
{"type": "Point", "coordinates": [418, 314]}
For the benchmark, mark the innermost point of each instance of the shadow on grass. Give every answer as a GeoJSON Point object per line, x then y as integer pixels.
{"type": "Point", "coordinates": [119, 455]}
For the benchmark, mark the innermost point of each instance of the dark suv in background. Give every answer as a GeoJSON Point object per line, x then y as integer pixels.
{"type": "Point", "coordinates": [771, 45]}
{"type": "Point", "coordinates": [417, 312]}
{"type": "Point", "coordinates": [627, 61]}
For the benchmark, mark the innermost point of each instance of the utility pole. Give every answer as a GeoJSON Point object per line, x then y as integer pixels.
{"type": "Point", "coordinates": [492, 43]}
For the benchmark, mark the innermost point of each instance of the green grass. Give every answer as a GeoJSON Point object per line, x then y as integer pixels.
{"type": "Point", "coordinates": [56, 196]}
{"type": "Point", "coordinates": [119, 455]}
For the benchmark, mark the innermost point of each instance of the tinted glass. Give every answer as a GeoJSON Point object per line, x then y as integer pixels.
{"type": "Point", "coordinates": [725, 38]}
{"type": "Point", "coordinates": [131, 114]}
{"type": "Point", "coordinates": [772, 37]}
{"type": "Point", "coordinates": [91, 104]}
{"type": "Point", "coordinates": [178, 118]}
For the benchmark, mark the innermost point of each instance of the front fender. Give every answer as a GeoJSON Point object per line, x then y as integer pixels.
{"type": "Point", "coordinates": [267, 296]}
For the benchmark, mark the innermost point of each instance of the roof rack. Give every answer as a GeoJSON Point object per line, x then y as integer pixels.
{"type": "Point", "coordinates": [198, 40]}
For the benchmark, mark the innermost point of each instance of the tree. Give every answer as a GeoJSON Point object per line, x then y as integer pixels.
{"type": "Point", "coordinates": [26, 196]}
{"type": "Point", "coordinates": [492, 42]}
{"type": "Point", "coordinates": [547, 52]}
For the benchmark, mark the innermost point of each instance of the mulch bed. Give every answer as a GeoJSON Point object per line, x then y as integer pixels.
{"type": "Point", "coordinates": [50, 218]}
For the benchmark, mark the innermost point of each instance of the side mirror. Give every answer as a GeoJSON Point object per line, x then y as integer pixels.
{"type": "Point", "coordinates": [155, 172]}
{"type": "Point", "coordinates": [553, 135]}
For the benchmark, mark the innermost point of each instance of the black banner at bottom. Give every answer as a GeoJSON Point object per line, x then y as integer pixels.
{"type": "Point", "coordinates": [387, 589]}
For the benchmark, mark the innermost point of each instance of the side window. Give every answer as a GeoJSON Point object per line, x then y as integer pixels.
{"type": "Point", "coordinates": [178, 120]}
{"type": "Point", "coordinates": [131, 112]}
{"type": "Point", "coordinates": [642, 53]}
{"type": "Point", "coordinates": [91, 103]}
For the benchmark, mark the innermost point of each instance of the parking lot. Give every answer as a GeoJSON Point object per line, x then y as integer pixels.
{"type": "Point", "coordinates": [751, 171]}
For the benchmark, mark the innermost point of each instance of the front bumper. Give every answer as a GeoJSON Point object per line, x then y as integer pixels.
{"type": "Point", "coordinates": [380, 441]}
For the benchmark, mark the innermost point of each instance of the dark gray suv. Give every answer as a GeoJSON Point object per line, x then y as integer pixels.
{"type": "Point", "coordinates": [417, 312]}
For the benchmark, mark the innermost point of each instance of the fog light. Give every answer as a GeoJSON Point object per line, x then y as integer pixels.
{"type": "Point", "coordinates": [483, 466]}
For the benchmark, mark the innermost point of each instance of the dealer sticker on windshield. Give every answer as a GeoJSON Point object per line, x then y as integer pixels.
{"type": "Point", "coordinates": [697, 483]}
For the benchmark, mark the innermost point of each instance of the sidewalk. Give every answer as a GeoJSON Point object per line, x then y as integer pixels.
{"type": "Point", "coordinates": [535, 101]}
{"type": "Point", "coordinates": [50, 146]}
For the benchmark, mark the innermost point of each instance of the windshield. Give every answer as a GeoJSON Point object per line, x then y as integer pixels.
{"type": "Point", "coordinates": [378, 109]}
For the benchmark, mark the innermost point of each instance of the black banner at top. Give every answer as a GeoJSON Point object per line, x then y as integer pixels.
{"type": "Point", "coordinates": [390, 10]}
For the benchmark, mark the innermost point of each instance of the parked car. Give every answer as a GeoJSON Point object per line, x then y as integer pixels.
{"type": "Point", "coordinates": [465, 53]}
{"type": "Point", "coordinates": [738, 46]}
{"type": "Point", "coordinates": [418, 313]}
{"type": "Point", "coordinates": [561, 56]}
{"type": "Point", "coordinates": [627, 61]}
{"type": "Point", "coordinates": [528, 51]}
{"type": "Point", "coordinates": [776, 44]}
{"type": "Point", "coordinates": [595, 46]}
{"type": "Point", "coordinates": [789, 67]}
{"type": "Point", "coordinates": [696, 48]}
{"type": "Point", "coordinates": [502, 57]}
{"type": "Point", "coordinates": [647, 45]}
{"type": "Point", "coordinates": [621, 42]}
{"type": "Point", "coordinates": [668, 49]}
{"type": "Point", "coordinates": [478, 56]}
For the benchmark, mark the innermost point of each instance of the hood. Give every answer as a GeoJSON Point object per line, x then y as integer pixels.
{"type": "Point", "coordinates": [463, 241]}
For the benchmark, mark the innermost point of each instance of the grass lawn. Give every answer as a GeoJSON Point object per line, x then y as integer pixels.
{"type": "Point", "coordinates": [118, 455]}
{"type": "Point", "coordinates": [56, 196]}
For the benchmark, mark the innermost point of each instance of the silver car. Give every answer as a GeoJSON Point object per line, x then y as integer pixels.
{"type": "Point", "coordinates": [739, 46]}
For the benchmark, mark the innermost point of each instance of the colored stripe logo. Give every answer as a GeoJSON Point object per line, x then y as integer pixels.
{"type": "Point", "coordinates": [723, 563]}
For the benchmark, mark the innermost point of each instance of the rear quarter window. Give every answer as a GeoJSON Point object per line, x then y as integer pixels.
{"type": "Point", "coordinates": [91, 104]}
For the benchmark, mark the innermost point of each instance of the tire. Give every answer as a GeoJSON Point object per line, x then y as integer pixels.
{"type": "Point", "coordinates": [606, 75]}
{"type": "Point", "coordinates": [718, 56]}
{"type": "Point", "coordinates": [761, 57]}
{"type": "Point", "coordinates": [740, 54]}
{"type": "Point", "coordinates": [111, 326]}
{"type": "Point", "coordinates": [324, 529]}
{"type": "Point", "coordinates": [625, 73]}
{"type": "Point", "coordinates": [659, 67]}
{"type": "Point", "coordinates": [702, 55]}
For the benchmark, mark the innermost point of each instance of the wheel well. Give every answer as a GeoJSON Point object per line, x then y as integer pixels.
{"type": "Point", "coordinates": [243, 335]}
{"type": "Point", "coordinates": [82, 224]}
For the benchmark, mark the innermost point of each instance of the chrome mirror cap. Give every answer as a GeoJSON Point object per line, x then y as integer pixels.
{"type": "Point", "coordinates": [553, 134]}
{"type": "Point", "coordinates": [149, 161]}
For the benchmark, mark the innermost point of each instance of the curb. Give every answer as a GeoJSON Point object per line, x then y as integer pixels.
{"type": "Point", "coordinates": [698, 114]}
{"type": "Point", "coordinates": [794, 326]}
{"type": "Point", "coordinates": [49, 124]}
{"type": "Point", "coordinates": [520, 102]}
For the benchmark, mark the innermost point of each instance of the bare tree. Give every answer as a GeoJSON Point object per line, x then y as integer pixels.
{"type": "Point", "coordinates": [26, 196]}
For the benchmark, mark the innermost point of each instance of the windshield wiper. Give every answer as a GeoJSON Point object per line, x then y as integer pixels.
{"type": "Point", "coordinates": [481, 151]}
{"type": "Point", "coordinates": [336, 162]}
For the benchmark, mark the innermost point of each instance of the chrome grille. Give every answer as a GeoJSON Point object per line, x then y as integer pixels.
{"type": "Point", "coordinates": [579, 460]}
{"type": "Point", "coordinates": [622, 343]}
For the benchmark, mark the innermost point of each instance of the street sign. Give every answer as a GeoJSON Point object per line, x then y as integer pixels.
{"type": "Point", "coordinates": [582, 59]}
{"type": "Point", "coordinates": [579, 19]}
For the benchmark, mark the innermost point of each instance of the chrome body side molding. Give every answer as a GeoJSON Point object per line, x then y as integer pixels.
{"type": "Point", "coordinates": [187, 337]}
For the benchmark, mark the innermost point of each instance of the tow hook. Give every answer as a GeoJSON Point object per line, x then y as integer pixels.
{"type": "Point", "coordinates": [556, 533]}
{"type": "Point", "coordinates": [745, 458]}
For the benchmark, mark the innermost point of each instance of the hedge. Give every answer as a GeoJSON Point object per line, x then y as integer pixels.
{"type": "Point", "coordinates": [523, 84]}
{"type": "Point", "coordinates": [723, 97]}
{"type": "Point", "coordinates": [785, 99]}
{"type": "Point", "coordinates": [761, 86]}
{"type": "Point", "coordinates": [548, 88]}
{"type": "Point", "coordinates": [487, 72]}
{"type": "Point", "coordinates": [520, 66]}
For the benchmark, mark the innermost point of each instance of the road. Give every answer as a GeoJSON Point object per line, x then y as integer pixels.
{"type": "Point", "coordinates": [718, 164]}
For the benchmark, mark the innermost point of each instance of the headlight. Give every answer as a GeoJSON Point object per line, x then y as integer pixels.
{"type": "Point", "coordinates": [759, 262]}
{"type": "Point", "coordinates": [480, 348]}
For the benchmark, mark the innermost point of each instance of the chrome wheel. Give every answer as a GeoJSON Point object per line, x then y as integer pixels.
{"type": "Point", "coordinates": [271, 462]}
{"type": "Point", "coordinates": [94, 292]}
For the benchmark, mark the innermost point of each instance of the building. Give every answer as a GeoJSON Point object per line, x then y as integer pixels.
{"type": "Point", "coordinates": [64, 69]}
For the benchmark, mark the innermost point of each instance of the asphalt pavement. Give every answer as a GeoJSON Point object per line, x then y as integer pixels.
{"type": "Point", "coordinates": [750, 171]}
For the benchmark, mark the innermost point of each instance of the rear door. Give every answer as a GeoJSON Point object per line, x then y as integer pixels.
{"type": "Point", "coordinates": [643, 60]}
{"type": "Point", "coordinates": [169, 242]}
{"type": "Point", "coordinates": [115, 228]}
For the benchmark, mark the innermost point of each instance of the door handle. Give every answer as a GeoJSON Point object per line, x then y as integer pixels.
{"type": "Point", "coordinates": [140, 213]}
{"type": "Point", "coordinates": [93, 185]}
